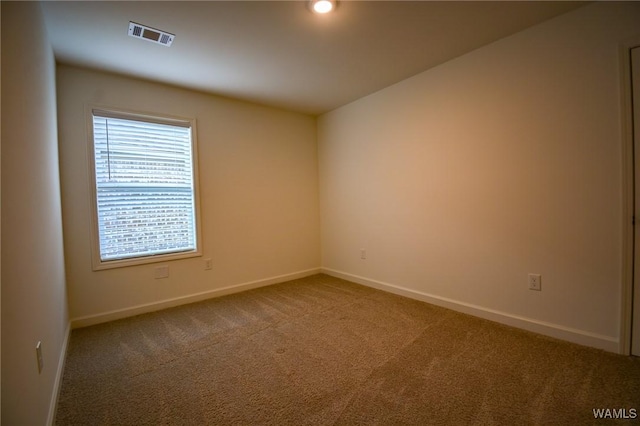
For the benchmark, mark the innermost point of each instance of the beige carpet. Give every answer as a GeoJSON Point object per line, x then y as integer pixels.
{"type": "Point", "coordinates": [324, 351]}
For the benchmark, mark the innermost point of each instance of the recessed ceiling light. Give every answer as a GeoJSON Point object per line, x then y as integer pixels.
{"type": "Point", "coordinates": [323, 6]}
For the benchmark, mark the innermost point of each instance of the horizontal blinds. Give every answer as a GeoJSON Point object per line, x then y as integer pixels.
{"type": "Point", "coordinates": [144, 188]}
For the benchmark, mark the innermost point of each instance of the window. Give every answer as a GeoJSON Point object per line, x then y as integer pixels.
{"type": "Point", "coordinates": [145, 192]}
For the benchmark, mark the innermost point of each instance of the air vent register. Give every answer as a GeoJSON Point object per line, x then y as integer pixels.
{"type": "Point", "coordinates": [150, 34]}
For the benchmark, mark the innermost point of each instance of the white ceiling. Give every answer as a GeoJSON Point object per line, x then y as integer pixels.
{"type": "Point", "coordinates": [278, 53]}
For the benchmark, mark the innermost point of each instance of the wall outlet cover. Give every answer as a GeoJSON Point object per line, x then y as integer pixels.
{"type": "Point", "coordinates": [535, 282]}
{"type": "Point", "coordinates": [162, 272]}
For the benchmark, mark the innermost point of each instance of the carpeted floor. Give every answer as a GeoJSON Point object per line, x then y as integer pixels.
{"type": "Point", "coordinates": [323, 351]}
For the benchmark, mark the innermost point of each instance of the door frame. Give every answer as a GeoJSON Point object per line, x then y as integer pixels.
{"type": "Point", "coordinates": [629, 169]}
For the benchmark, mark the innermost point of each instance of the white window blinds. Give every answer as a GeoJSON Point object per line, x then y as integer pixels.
{"type": "Point", "coordinates": [144, 188]}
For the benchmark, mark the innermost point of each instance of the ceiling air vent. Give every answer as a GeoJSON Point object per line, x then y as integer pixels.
{"type": "Point", "coordinates": [150, 34]}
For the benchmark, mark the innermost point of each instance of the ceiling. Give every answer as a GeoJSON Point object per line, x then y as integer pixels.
{"type": "Point", "coordinates": [278, 53]}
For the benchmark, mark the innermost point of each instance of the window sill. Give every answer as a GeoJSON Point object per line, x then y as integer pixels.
{"type": "Point", "coordinates": [99, 265]}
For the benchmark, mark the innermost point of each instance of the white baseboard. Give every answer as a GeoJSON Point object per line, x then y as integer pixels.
{"type": "Point", "coordinates": [57, 384]}
{"type": "Point", "coordinates": [183, 300]}
{"type": "Point", "coordinates": [580, 337]}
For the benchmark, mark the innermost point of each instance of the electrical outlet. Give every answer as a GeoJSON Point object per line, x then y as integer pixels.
{"type": "Point", "coordinates": [39, 357]}
{"type": "Point", "coordinates": [535, 282]}
{"type": "Point", "coordinates": [208, 264]}
{"type": "Point", "coordinates": [363, 254]}
{"type": "Point", "coordinates": [162, 272]}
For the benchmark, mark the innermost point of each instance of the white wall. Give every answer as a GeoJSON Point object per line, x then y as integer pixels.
{"type": "Point", "coordinates": [506, 161]}
{"type": "Point", "coordinates": [34, 306]}
{"type": "Point", "coordinates": [258, 187]}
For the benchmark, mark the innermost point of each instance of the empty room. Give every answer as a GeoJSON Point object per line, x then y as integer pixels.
{"type": "Point", "coordinates": [327, 212]}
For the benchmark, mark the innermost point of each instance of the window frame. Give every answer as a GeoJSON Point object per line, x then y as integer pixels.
{"type": "Point", "coordinates": [120, 113]}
